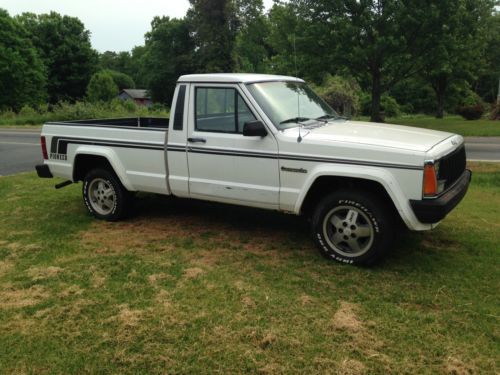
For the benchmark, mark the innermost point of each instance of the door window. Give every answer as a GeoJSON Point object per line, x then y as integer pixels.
{"type": "Point", "coordinates": [220, 110]}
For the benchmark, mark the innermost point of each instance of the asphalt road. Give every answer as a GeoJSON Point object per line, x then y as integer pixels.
{"type": "Point", "coordinates": [20, 150]}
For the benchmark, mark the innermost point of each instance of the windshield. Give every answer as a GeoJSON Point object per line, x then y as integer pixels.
{"type": "Point", "coordinates": [288, 104]}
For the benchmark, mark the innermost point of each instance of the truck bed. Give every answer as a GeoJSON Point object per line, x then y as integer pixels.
{"type": "Point", "coordinates": [125, 122]}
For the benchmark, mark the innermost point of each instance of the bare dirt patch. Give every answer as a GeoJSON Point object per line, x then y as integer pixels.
{"type": "Point", "coordinates": [11, 298]}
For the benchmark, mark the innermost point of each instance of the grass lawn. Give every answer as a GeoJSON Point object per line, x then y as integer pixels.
{"type": "Point", "coordinates": [193, 287]}
{"type": "Point", "coordinates": [452, 124]}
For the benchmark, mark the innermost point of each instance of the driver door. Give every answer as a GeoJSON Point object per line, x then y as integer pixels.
{"type": "Point", "coordinates": [223, 164]}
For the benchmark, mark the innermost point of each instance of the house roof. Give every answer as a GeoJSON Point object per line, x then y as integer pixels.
{"type": "Point", "coordinates": [235, 78]}
{"type": "Point", "coordinates": [136, 93]}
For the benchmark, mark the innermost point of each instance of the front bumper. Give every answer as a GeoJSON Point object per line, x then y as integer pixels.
{"type": "Point", "coordinates": [431, 211]}
{"type": "Point", "coordinates": [43, 171]}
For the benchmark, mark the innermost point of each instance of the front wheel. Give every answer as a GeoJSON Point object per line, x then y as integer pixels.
{"type": "Point", "coordinates": [352, 227]}
{"type": "Point", "coordinates": [105, 196]}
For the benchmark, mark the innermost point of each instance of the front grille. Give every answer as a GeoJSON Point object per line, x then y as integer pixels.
{"type": "Point", "coordinates": [452, 166]}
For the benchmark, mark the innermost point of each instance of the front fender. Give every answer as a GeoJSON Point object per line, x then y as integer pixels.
{"type": "Point", "coordinates": [382, 176]}
{"type": "Point", "coordinates": [110, 155]}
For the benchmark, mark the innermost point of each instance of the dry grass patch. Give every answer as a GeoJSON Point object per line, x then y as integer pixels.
{"type": "Point", "coordinates": [5, 267]}
{"type": "Point", "coordinates": [454, 366]}
{"type": "Point", "coordinates": [346, 318]}
{"type": "Point", "coordinates": [193, 272]}
{"type": "Point", "coordinates": [351, 367]}
{"type": "Point", "coordinates": [11, 298]}
{"type": "Point", "coordinates": [41, 273]}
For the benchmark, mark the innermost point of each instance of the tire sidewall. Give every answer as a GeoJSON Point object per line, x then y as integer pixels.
{"type": "Point", "coordinates": [373, 212]}
{"type": "Point", "coordinates": [119, 205]}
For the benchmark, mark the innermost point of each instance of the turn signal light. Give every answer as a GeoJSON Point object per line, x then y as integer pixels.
{"type": "Point", "coordinates": [430, 181]}
{"type": "Point", "coordinates": [44, 147]}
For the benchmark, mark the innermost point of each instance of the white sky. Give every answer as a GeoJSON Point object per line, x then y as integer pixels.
{"type": "Point", "coordinates": [115, 25]}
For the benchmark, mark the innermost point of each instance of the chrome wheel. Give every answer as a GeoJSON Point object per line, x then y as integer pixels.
{"type": "Point", "coordinates": [102, 196]}
{"type": "Point", "coordinates": [348, 230]}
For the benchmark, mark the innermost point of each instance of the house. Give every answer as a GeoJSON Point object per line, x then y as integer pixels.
{"type": "Point", "coordinates": [139, 96]}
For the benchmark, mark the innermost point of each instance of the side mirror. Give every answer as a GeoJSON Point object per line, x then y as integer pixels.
{"type": "Point", "coordinates": [254, 129]}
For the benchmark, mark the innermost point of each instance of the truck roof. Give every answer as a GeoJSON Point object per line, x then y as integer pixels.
{"type": "Point", "coordinates": [235, 78]}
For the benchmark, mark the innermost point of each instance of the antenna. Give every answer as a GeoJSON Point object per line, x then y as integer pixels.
{"type": "Point", "coordinates": [299, 138]}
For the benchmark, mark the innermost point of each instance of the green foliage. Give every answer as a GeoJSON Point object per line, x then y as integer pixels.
{"type": "Point", "coordinates": [251, 49]}
{"type": "Point", "coordinates": [456, 45]}
{"type": "Point", "coordinates": [65, 111]}
{"type": "Point", "coordinates": [389, 107]}
{"type": "Point", "coordinates": [122, 80]}
{"type": "Point", "coordinates": [341, 94]}
{"type": "Point", "coordinates": [214, 26]}
{"type": "Point", "coordinates": [22, 73]}
{"type": "Point", "coordinates": [64, 46]}
{"type": "Point", "coordinates": [101, 88]}
{"type": "Point", "coordinates": [168, 54]}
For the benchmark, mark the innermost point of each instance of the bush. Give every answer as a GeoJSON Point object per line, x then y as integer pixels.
{"type": "Point", "coordinates": [340, 93]}
{"type": "Point", "coordinates": [388, 105]}
{"type": "Point", "coordinates": [122, 80]}
{"type": "Point", "coordinates": [101, 88]}
{"type": "Point", "coordinates": [495, 112]}
{"type": "Point", "coordinates": [27, 111]}
{"type": "Point", "coordinates": [471, 112]}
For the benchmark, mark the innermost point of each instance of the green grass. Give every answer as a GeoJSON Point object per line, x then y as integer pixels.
{"type": "Point", "coordinates": [452, 124]}
{"type": "Point", "coordinates": [193, 287]}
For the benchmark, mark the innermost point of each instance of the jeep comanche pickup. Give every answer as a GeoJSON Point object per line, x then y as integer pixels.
{"type": "Point", "coordinates": [267, 141]}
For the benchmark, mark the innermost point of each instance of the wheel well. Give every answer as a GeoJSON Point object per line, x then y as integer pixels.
{"type": "Point", "coordinates": [85, 163]}
{"type": "Point", "coordinates": [327, 184]}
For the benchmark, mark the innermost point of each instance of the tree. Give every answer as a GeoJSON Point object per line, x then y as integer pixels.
{"type": "Point", "coordinates": [487, 85]}
{"type": "Point", "coordinates": [457, 45]}
{"type": "Point", "coordinates": [22, 73]}
{"type": "Point", "coordinates": [380, 41]}
{"type": "Point", "coordinates": [168, 54]}
{"type": "Point", "coordinates": [101, 88]}
{"type": "Point", "coordinates": [214, 27]}
{"type": "Point", "coordinates": [64, 46]}
{"type": "Point", "coordinates": [251, 48]}
{"type": "Point", "coordinates": [122, 80]}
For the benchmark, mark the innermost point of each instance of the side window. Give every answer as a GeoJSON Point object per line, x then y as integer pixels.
{"type": "Point", "coordinates": [220, 110]}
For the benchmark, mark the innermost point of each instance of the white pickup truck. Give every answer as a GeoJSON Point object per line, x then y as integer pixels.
{"type": "Point", "coordinates": [270, 142]}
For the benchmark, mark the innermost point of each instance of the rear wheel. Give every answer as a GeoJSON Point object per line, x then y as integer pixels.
{"type": "Point", "coordinates": [352, 227]}
{"type": "Point", "coordinates": [105, 196]}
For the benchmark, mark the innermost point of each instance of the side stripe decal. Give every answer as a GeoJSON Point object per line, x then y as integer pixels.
{"type": "Point", "coordinates": [59, 145]}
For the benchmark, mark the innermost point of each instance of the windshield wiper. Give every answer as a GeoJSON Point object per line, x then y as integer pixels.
{"type": "Point", "coordinates": [326, 117]}
{"type": "Point", "coordinates": [294, 119]}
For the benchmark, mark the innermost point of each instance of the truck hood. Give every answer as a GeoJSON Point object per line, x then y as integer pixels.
{"type": "Point", "coordinates": [376, 134]}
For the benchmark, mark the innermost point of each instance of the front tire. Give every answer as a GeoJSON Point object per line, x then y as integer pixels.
{"type": "Point", "coordinates": [352, 227]}
{"type": "Point", "coordinates": [105, 196]}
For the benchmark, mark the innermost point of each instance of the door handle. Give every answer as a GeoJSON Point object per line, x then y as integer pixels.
{"type": "Point", "coordinates": [197, 140]}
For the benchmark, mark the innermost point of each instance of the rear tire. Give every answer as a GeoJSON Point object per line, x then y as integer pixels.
{"type": "Point", "coordinates": [354, 227]}
{"type": "Point", "coordinates": [104, 195]}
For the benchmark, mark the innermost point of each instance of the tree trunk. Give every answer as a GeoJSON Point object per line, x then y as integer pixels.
{"type": "Point", "coordinates": [440, 105]}
{"type": "Point", "coordinates": [440, 84]}
{"type": "Point", "coordinates": [376, 94]}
